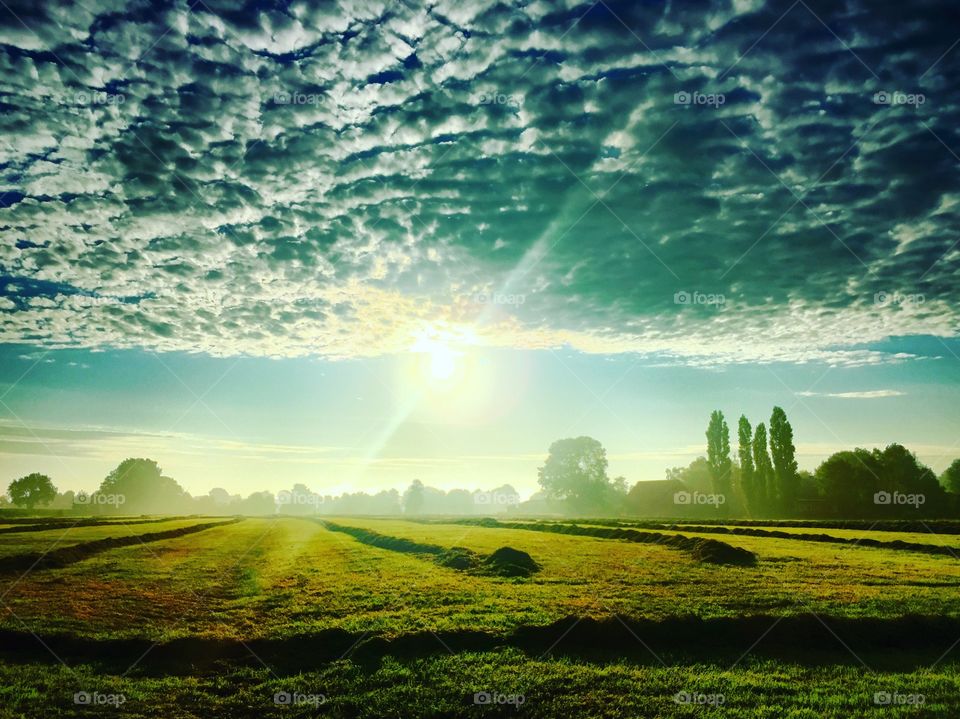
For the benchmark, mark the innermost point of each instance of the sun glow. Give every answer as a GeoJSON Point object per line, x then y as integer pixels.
{"type": "Point", "coordinates": [442, 360]}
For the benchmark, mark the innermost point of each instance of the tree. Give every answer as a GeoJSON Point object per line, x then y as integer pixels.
{"type": "Point", "coordinates": [950, 479]}
{"type": "Point", "coordinates": [901, 471]}
{"type": "Point", "coordinates": [848, 481]}
{"type": "Point", "coordinates": [141, 487]}
{"type": "Point", "coordinates": [259, 503]}
{"type": "Point", "coordinates": [32, 490]}
{"type": "Point", "coordinates": [762, 469]}
{"type": "Point", "coordinates": [745, 453]}
{"type": "Point", "coordinates": [413, 498]}
{"type": "Point", "coordinates": [784, 460]}
{"type": "Point", "coordinates": [576, 473]}
{"type": "Point", "coordinates": [718, 452]}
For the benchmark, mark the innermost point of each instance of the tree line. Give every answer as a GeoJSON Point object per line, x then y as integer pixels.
{"type": "Point", "coordinates": [761, 479]}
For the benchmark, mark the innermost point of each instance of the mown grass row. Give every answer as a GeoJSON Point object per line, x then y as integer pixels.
{"type": "Point", "coordinates": [65, 556]}
{"type": "Point", "coordinates": [504, 562]}
{"type": "Point", "coordinates": [925, 526]}
{"type": "Point", "coordinates": [91, 522]}
{"type": "Point", "coordinates": [897, 544]}
{"type": "Point", "coordinates": [711, 551]}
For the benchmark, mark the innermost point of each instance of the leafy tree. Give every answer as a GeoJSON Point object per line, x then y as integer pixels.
{"type": "Point", "coordinates": [576, 473]}
{"type": "Point", "coordinates": [784, 460]}
{"type": "Point", "coordinates": [259, 503]}
{"type": "Point", "coordinates": [950, 479]}
{"type": "Point", "coordinates": [848, 481]}
{"type": "Point", "coordinates": [695, 477]}
{"type": "Point", "coordinates": [413, 498]}
{"type": "Point", "coordinates": [901, 471]}
{"type": "Point", "coordinates": [718, 452]}
{"type": "Point", "coordinates": [745, 453]}
{"type": "Point", "coordinates": [144, 488]}
{"type": "Point", "coordinates": [762, 469]}
{"type": "Point", "coordinates": [32, 490]}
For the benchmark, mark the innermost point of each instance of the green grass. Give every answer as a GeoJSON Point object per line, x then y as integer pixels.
{"type": "Point", "coordinates": [27, 542]}
{"type": "Point", "coordinates": [445, 686]}
{"type": "Point", "coordinates": [285, 579]}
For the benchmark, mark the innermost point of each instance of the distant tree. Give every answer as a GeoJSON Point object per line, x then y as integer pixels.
{"type": "Point", "coordinates": [619, 485]}
{"type": "Point", "coordinates": [762, 470]}
{"type": "Point", "coordinates": [220, 496]}
{"type": "Point", "coordinates": [718, 452]}
{"type": "Point", "coordinates": [696, 476]}
{"type": "Point", "coordinates": [901, 471]}
{"type": "Point", "coordinates": [950, 479]}
{"type": "Point", "coordinates": [745, 454]}
{"type": "Point", "coordinates": [413, 498]}
{"type": "Point", "coordinates": [784, 460]}
{"type": "Point", "coordinates": [143, 488]}
{"type": "Point", "coordinates": [32, 490]}
{"type": "Point", "coordinates": [575, 473]}
{"type": "Point", "coordinates": [848, 482]}
{"type": "Point", "coordinates": [258, 504]}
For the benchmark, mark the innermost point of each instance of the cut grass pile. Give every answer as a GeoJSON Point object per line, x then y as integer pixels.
{"type": "Point", "coordinates": [503, 562]}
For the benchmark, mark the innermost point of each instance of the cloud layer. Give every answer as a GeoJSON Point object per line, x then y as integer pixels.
{"type": "Point", "coordinates": [707, 181]}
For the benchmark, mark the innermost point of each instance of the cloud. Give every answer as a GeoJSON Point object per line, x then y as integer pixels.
{"type": "Point", "coordinates": [869, 394]}
{"type": "Point", "coordinates": [286, 181]}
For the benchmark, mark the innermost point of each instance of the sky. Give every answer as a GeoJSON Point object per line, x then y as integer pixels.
{"type": "Point", "coordinates": [351, 244]}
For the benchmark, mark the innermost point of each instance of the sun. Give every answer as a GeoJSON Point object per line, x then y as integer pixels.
{"type": "Point", "coordinates": [441, 356]}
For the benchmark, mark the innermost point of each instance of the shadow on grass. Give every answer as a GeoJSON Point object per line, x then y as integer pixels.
{"type": "Point", "coordinates": [899, 644]}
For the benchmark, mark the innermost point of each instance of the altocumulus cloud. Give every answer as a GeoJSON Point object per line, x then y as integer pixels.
{"type": "Point", "coordinates": [706, 181]}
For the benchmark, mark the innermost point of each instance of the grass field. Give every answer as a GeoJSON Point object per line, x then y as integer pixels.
{"type": "Point", "coordinates": [239, 618]}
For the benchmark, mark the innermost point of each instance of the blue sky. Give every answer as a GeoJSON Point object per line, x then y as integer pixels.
{"type": "Point", "coordinates": [393, 240]}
